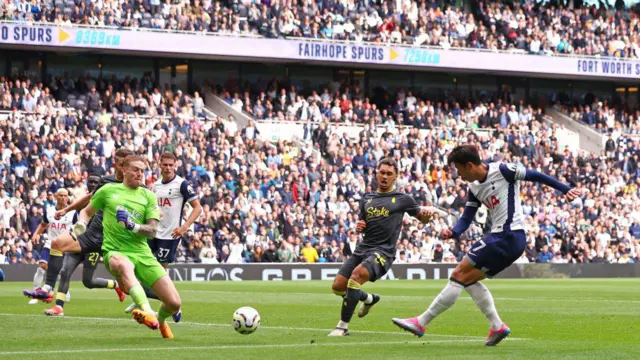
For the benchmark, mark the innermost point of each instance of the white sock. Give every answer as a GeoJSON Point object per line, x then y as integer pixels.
{"type": "Point", "coordinates": [369, 299]}
{"type": "Point", "coordinates": [47, 288]}
{"type": "Point", "coordinates": [483, 298]}
{"type": "Point", "coordinates": [342, 325]}
{"type": "Point", "coordinates": [442, 302]}
{"type": "Point", "coordinates": [38, 278]}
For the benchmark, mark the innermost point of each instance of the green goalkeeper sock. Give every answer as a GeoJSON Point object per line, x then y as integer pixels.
{"type": "Point", "coordinates": [163, 314]}
{"type": "Point", "coordinates": [140, 298]}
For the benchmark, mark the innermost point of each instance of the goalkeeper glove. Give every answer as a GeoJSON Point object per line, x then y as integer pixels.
{"type": "Point", "coordinates": [79, 228]}
{"type": "Point", "coordinates": [123, 217]}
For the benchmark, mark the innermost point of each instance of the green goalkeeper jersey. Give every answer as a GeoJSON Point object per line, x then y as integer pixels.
{"type": "Point", "coordinates": [141, 204]}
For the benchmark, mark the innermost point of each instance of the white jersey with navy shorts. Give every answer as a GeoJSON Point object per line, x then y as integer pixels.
{"type": "Point", "coordinates": [55, 228]}
{"type": "Point", "coordinates": [172, 198]}
{"type": "Point", "coordinates": [500, 194]}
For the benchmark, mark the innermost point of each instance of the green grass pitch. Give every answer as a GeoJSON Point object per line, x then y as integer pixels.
{"type": "Point", "coordinates": [550, 319]}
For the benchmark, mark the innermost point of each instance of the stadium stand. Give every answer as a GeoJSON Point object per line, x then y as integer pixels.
{"type": "Point", "coordinates": [265, 201]}
{"type": "Point", "coordinates": [273, 199]}
{"type": "Point", "coordinates": [543, 28]}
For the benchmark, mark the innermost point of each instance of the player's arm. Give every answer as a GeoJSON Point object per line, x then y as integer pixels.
{"type": "Point", "coordinates": [148, 229]}
{"type": "Point", "coordinates": [151, 214]}
{"type": "Point", "coordinates": [75, 206]}
{"type": "Point", "coordinates": [191, 197]}
{"type": "Point", "coordinates": [42, 227]}
{"type": "Point", "coordinates": [96, 203]}
{"type": "Point", "coordinates": [423, 213]}
{"type": "Point", "coordinates": [513, 173]}
{"type": "Point", "coordinates": [469, 213]}
{"type": "Point", "coordinates": [361, 225]}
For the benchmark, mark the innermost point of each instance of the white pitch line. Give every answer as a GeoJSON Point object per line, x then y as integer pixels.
{"type": "Point", "coordinates": [222, 347]}
{"type": "Point", "coordinates": [400, 333]}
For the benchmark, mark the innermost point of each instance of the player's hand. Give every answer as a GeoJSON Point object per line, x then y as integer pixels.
{"type": "Point", "coordinates": [445, 234]}
{"type": "Point", "coordinates": [178, 232]}
{"type": "Point", "coordinates": [79, 228]}
{"type": "Point", "coordinates": [573, 194]}
{"type": "Point", "coordinates": [361, 226]}
{"type": "Point", "coordinates": [425, 215]}
{"type": "Point", "coordinates": [123, 217]}
{"type": "Point", "coordinates": [35, 239]}
{"type": "Point", "coordinates": [60, 213]}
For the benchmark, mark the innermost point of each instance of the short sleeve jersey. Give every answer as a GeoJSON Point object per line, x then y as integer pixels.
{"type": "Point", "coordinates": [141, 204]}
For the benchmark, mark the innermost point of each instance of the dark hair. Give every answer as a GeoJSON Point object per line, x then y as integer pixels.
{"type": "Point", "coordinates": [388, 162]}
{"type": "Point", "coordinates": [168, 155]}
{"type": "Point", "coordinates": [123, 153]}
{"type": "Point", "coordinates": [464, 154]}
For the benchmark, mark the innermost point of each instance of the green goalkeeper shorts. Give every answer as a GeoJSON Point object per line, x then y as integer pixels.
{"type": "Point", "coordinates": [146, 267]}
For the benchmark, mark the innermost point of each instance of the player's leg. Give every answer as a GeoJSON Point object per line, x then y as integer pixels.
{"type": "Point", "coordinates": [150, 273]}
{"type": "Point", "coordinates": [122, 267]}
{"type": "Point", "coordinates": [506, 249]}
{"type": "Point", "coordinates": [69, 265]}
{"type": "Point", "coordinates": [90, 282]}
{"type": "Point", "coordinates": [486, 257]}
{"type": "Point", "coordinates": [38, 278]}
{"type": "Point", "coordinates": [154, 246]}
{"type": "Point", "coordinates": [53, 270]}
{"type": "Point", "coordinates": [363, 272]}
{"type": "Point", "coordinates": [65, 243]}
{"type": "Point", "coordinates": [171, 303]}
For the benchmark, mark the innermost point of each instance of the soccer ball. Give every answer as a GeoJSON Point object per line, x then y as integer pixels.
{"type": "Point", "coordinates": [246, 320]}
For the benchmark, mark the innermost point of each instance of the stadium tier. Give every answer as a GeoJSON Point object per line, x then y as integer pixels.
{"type": "Point", "coordinates": [280, 152]}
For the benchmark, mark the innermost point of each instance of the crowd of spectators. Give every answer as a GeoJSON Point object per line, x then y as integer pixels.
{"type": "Point", "coordinates": [607, 118]}
{"type": "Point", "coordinates": [283, 202]}
{"type": "Point", "coordinates": [528, 26]}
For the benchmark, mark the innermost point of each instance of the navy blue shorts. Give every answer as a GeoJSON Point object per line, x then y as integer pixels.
{"type": "Point", "coordinates": [497, 251]}
{"type": "Point", "coordinates": [164, 250]}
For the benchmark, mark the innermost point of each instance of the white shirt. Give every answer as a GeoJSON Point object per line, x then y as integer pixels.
{"type": "Point", "coordinates": [172, 197]}
{"type": "Point", "coordinates": [57, 227]}
{"type": "Point", "coordinates": [500, 196]}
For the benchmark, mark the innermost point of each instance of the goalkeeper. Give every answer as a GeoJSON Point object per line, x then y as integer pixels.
{"type": "Point", "coordinates": [130, 217]}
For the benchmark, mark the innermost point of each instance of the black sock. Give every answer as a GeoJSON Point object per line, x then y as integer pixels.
{"type": "Point", "coordinates": [150, 293]}
{"type": "Point", "coordinates": [55, 265]}
{"type": "Point", "coordinates": [69, 265]}
{"type": "Point", "coordinates": [363, 295]}
{"type": "Point", "coordinates": [350, 301]}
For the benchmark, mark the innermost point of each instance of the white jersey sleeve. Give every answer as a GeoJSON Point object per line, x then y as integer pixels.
{"type": "Point", "coordinates": [172, 197]}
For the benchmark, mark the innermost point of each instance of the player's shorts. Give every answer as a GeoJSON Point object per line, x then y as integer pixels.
{"type": "Point", "coordinates": [46, 251]}
{"type": "Point", "coordinates": [91, 260]}
{"type": "Point", "coordinates": [377, 264]}
{"type": "Point", "coordinates": [146, 268]}
{"type": "Point", "coordinates": [497, 251]}
{"type": "Point", "coordinates": [89, 243]}
{"type": "Point", "coordinates": [164, 250]}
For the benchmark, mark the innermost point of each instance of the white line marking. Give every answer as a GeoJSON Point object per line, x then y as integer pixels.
{"type": "Point", "coordinates": [399, 332]}
{"type": "Point", "coordinates": [222, 347]}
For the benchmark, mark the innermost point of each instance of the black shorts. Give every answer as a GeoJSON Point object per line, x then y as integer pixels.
{"type": "Point", "coordinates": [164, 250]}
{"type": "Point", "coordinates": [377, 264]}
{"type": "Point", "coordinates": [89, 260]}
{"type": "Point", "coordinates": [89, 243]}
